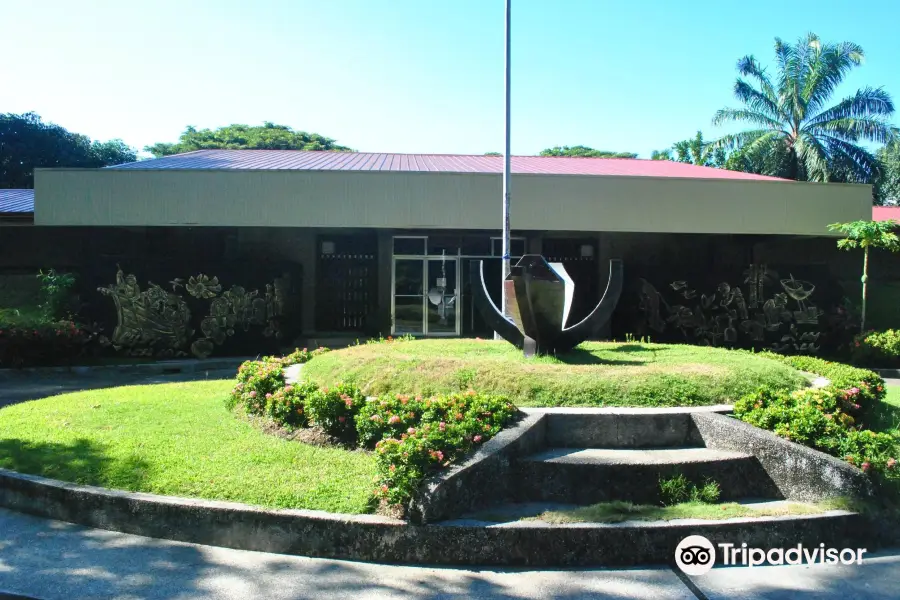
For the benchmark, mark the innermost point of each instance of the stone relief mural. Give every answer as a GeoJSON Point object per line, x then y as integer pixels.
{"type": "Point", "coordinates": [157, 322]}
{"type": "Point", "coordinates": [763, 309]}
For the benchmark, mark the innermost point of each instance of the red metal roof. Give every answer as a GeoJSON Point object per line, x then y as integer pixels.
{"type": "Point", "coordinates": [16, 201]}
{"type": "Point", "coordinates": [301, 160]}
{"type": "Point", "coordinates": [886, 213]}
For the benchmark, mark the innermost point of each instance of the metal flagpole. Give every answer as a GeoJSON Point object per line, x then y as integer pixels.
{"type": "Point", "coordinates": [506, 169]}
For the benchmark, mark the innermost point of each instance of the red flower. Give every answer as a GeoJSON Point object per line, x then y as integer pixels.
{"type": "Point", "coordinates": [865, 466]}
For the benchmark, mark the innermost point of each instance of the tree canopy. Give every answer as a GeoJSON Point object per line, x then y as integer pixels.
{"type": "Point", "coordinates": [796, 132]}
{"type": "Point", "coordinates": [585, 151]}
{"type": "Point", "coordinates": [26, 143]}
{"type": "Point", "coordinates": [695, 151]}
{"type": "Point", "coordinates": [887, 184]}
{"type": "Point", "coordinates": [268, 136]}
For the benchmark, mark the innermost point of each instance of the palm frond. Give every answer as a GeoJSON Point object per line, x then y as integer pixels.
{"type": "Point", "coordinates": [813, 158]}
{"type": "Point", "coordinates": [859, 164]}
{"type": "Point", "coordinates": [756, 100]}
{"type": "Point", "coordinates": [749, 67]}
{"type": "Point", "coordinates": [788, 74]}
{"type": "Point", "coordinates": [726, 115]}
{"type": "Point", "coordinates": [828, 69]}
{"type": "Point", "coordinates": [849, 129]}
{"type": "Point", "coordinates": [865, 102]}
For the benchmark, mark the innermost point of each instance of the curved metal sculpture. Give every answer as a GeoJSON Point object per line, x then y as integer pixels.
{"type": "Point", "coordinates": [538, 298]}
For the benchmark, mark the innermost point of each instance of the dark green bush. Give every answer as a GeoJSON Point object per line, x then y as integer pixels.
{"type": "Point", "coordinates": [47, 343]}
{"type": "Point", "coordinates": [877, 348]}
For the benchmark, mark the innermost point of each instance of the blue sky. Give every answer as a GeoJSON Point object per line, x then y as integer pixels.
{"type": "Point", "coordinates": [412, 76]}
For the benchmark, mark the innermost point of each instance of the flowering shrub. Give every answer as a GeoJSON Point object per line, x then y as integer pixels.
{"type": "Point", "coordinates": [287, 405]}
{"type": "Point", "coordinates": [823, 419]}
{"type": "Point", "coordinates": [866, 387]}
{"type": "Point", "coordinates": [421, 436]}
{"type": "Point", "coordinates": [877, 348]}
{"type": "Point", "coordinates": [334, 409]}
{"type": "Point", "coordinates": [258, 380]}
{"type": "Point", "coordinates": [45, 343]}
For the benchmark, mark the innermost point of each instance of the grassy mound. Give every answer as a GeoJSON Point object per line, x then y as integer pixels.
{"type": "Point", "coordinates": [178, 439]}
{"type": "Point", "coordinates": [594, 374]}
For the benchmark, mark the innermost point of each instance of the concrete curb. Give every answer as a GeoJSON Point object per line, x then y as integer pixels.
{"type": "Point", "coordinates": [381, 539]}
{"type": "Point", "coordinates": [192, 365]}
{"type": "Point", "coordinates": [484, 478]}
{"type": "Point", "coordinates": [800, 473]}
{"type": "Point", "coordinates": [887, 373]}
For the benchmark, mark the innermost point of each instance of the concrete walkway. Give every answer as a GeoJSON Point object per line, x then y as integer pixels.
{"type": "Point", "coordinates": [50, 559]}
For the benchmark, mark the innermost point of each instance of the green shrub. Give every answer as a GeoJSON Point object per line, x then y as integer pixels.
{"type": "Point", "coordinates": [877, 348]}
{"type": "Point", "coordinates": [258, 380]}
{"type": "Point", "coordinates": [678, 489]}
{"type": "Point", "coordinates": [334, 409]}
{"type": "Point", "coordinates": [708, 493]}
{"type": "Point", "coordinates": [288, 406]}
{"type": "Point", "coordinates": [674, 490]}
{"type": "Point", "coordinates": [301, 356]}
{"type": "Point", "coordinates": [55, 290]}
{"type": "Point", "coordinates": [822, 419]}
{"type": "Point", "coordinates": [860, 386]}
{"type": "Point", "coordinates": [44, 343]}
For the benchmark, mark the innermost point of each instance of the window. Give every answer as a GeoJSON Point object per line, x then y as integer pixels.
{"type": "Point", "coordinates": [516, 247]}
{"type": "Point", "coordinates": [412, 246]}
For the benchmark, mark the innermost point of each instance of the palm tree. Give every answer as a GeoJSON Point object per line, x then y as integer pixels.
{"type": "Point", "coordinates": [797, 134]}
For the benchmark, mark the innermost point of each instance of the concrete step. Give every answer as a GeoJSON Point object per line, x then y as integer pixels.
{"type": "Point", "coordinates": [591, 475]}
{"type": "Point", "coordinates": [529, 513]}
{"type": "Point", "coordinates": [623, 427]}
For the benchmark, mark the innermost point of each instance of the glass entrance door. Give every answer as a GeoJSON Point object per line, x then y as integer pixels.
{"type": "Point", "coordinates": [408, 310]}
{"type": "Point", "coordinates": [443, 297]}
{"type": "Point", "coordinates": [426, 296]}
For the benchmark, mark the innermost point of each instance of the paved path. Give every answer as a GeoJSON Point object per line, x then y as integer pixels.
{"type": "Point", "coordinates": [30, 386]}
{"type": "Point", "coordinates": [54, 560]}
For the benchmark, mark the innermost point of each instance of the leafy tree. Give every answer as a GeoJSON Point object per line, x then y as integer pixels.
{"type": "Point", "coordinates": [26, 143]}
{"type": "Point", "coordinates": [797, 134]}
{"type": "Point", "coordinates": [887, 184]}
{"type": "Point", "coordinates": [865, 235]}
{"type": "Point", "coordinates": [113, 152]}
{"type": "Point", "coordinates": [695, 151]}
{"type": "Point", "coordinates": [268, 136]}
{"type": "Point", "coordinates": [585, 151]}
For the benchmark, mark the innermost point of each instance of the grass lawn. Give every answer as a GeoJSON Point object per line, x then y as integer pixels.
{"type": "Point", "coordinates": [594, 374]}
{"type": "Point", "coordinates": [178, 439]}
{"type": "Point", "coordinates": [616, 512]}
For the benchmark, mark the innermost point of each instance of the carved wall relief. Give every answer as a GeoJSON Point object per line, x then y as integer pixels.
{"type": "Point", "coordinates": [156, 322]}
{"type": "Point", "coordinates": [730, 317]}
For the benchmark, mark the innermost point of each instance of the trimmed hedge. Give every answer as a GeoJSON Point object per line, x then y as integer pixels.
{"type": "Point", "coordinates": [44, 344]}
{"type": "Point", "coordinates": [829, 419]}
{"type": "Point", "coordinates": [877, 348]}
{"type": "Point", "coordinates": [412, 436]}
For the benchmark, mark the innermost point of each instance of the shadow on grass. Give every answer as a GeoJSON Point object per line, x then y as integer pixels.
{"type": "Point", "coordinates": [81, 461]}
{"type": "Point", "coordinates": [883, 417]}
{"type": "Point", "coordinates": [580, 356]}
